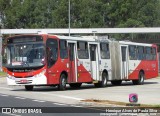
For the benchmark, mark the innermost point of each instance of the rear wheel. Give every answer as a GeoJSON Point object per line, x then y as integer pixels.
{"type": "Point", "coordinates": [140, 80]}
{"type": "Point", "coordinates": [116, 82]}
{"type": "Point", "coordinates": [29, 87]}
{"type": "Point", "coordinates": [63, 82]}
{"type": "Point", "coordinates": [75, 85]}
{"type": "Point", "coordinates": [102, 83]}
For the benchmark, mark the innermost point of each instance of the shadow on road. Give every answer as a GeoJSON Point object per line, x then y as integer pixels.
{"type": "Point", "coordinates": [83, 87]}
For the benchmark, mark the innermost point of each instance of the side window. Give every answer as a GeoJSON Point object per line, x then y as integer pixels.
{"type": "Point", "coordinates": [52, 51]}
{"type": "Point", "coordinates": [148, 53]}
{"type": "Point", "coordinates": [105, 54]}
{"type": "Point", "coordinates": [63, 49]}
{"type": "Point", "coordinates": [140, 53]}
{"type": "Point", "coordinates": [133, 52]}
{"type": "Point", "coordinates": [82, 48]}
{"type": "Point", "coordinates": [153, 53]}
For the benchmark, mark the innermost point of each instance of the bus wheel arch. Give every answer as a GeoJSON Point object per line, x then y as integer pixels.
{"type": "Point", "coordinates": [106, 75]}
{"type": "Point", "coordinates": [141, 78]}
{"type": "Point", "coordinates": [63, 81]}
{"type": "Point", "coordinates": [103, 83]}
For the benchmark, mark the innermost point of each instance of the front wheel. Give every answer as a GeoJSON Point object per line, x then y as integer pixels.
{"type": "Point", "coordinates": [102, 83]}
{"type": "Point", "coordinates": [140, 80]}
{"type": "Point", "coordinates": [63, 82]}
{"type": "Point", "coordinates": [29, 87]}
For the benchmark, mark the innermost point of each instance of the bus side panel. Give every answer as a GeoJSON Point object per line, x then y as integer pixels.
{"type": "Point", "coordinates": [105, 64]}
{"type": "Point", "coordinates": [134, 68]}
{"type": "Point", "coordinates": [84, 71]}
{"type": "Point", "coordinates": [115, 61]}
{"type": "Point", "coordinates": [151, 69]}
{"type": "Point", "coordinates": [55, 71]}
{"type": "Point", "coordinates": [152, 66]}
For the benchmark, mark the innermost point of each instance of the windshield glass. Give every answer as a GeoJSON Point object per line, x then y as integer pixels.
{"type": "Point", "coordinates": [25, 55]}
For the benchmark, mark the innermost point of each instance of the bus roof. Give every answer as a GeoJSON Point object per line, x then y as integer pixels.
{"type": "Point", "coordinates": [134, 43]}
{"type": "Point", "coordinates": [84, 38]}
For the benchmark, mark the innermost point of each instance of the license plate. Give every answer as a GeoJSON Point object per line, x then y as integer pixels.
{"type": "Point", "coordinates": [23, 81]}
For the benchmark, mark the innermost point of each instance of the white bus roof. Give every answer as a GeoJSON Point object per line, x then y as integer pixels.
{"type": "Point", "coordinates": [85, 38]}
{"type": "Point", "coordinates": [134, 43]}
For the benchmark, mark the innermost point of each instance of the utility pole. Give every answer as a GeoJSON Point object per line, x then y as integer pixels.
{"type": "Point", "coordinates": [0, 51]}
{"type": "Point", "coordinates": [69, 16]}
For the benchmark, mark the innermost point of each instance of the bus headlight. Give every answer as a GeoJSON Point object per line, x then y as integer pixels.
{"type": "Point", "coordinates": [10, 76]}
{"type": "Point", "coordinates": [40, 74]}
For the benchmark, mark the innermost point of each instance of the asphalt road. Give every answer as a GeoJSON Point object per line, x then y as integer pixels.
{"type": "Point", "coordinates": [22, 106]}
{"type": "Point", "coordinates": [147, 93]}
{"type": "Point", "coordinates": [16, 96]}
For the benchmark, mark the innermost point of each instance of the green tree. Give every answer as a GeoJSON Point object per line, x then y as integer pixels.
{"type": "Point", "coordinates": [132, 13]}
{"type": "Point", "coordinates": [84, 13]}
{"type": "Point", "coordinates": [3, 6]}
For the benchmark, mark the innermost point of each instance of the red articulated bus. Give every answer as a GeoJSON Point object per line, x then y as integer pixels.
{"type": "Point", "coordinates": [43, 59]}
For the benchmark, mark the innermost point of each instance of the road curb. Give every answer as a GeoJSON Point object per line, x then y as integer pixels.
{"type": "Point", "coordinates": [95, 104]}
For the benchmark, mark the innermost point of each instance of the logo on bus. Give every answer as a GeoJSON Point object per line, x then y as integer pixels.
{"type": "Point", "coordinates": [153, 65]}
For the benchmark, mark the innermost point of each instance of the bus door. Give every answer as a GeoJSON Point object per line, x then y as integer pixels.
{"type": "Point", "coordinates": [94, 61]}
{"type": "Point", "coordinates": [72, 62]}
{"type": "Point", "coordinates": [124, 63]}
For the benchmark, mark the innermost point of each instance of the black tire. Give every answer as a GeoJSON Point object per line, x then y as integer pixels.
{"type": "Point", "coordinates": [75, 85]}
{"type": "Point", "coordinates": [29, 87]}
{"type": "Point", "coordinates": [140, 80]}
{"type": "Point", "coordinates": [63, 82]}
{"type": "Point", "coordinates": [116, 82]}
{"type": "Point", "coordinates": [102, 83]}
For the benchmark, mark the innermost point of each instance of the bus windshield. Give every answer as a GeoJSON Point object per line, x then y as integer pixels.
{"type": "Point", "coordinates": [25, 55]}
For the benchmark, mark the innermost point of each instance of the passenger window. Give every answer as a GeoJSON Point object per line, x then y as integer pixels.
{"type": "Point", "coordinates": [52, 51]}
{"type": "Point", "coordinates": [153, 53]}
{"type": "Point", "coordinates": [148, 53]}
{"type": "Point", "coordinates": [133, 52]}
{"type": "Point", "coordinates": [105, 54]}
{"type": "Point", "coordinates": [82, 48]}
{"type": "Point", "coordinates": [140, 53]}
{"type": "Point", "coordinates": [63, 49]}
{"type": "Point", "coordinates": [92, 48]}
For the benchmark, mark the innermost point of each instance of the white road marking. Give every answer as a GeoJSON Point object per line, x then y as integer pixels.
{"type": "Point", "coordinates": [20, 97]}
{"type": "Point", "coordinates": [38, 100]}
{"type": "Point", "coordinates": [4, 95]}
{"type": "Point", "coordinates": [75, 106]}
{"type": "Point", "coordinates": [59, 104]}
{"type": "Point", "coordinates": [63, 96]}
{"type": "Point", "coordinates": [11, 114]}
{"type": "Point", "coordinates": [69, 97]}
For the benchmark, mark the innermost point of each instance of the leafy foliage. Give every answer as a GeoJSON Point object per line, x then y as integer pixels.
{"type": "Point", "coordinates": [84, 13]}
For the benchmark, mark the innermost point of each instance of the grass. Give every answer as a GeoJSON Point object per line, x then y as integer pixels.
{"type": "Point", "coordinates": [3, 74]}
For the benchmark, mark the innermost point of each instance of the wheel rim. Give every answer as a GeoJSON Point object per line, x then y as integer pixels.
{"type": "Point", "coordinates": [141, 78]}
{"type": "Point", "coordinates": [104, 79]}
{"type": "Point", "coordinates": [63, 82]}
